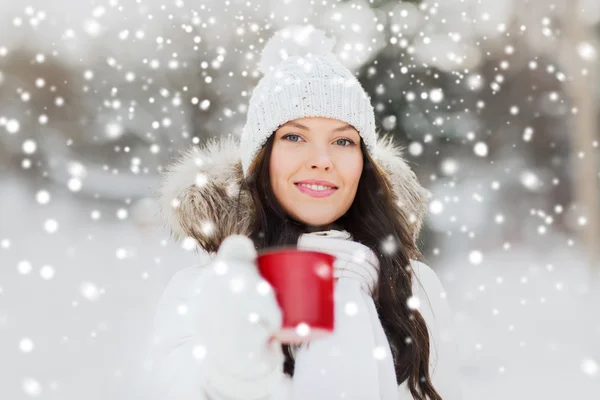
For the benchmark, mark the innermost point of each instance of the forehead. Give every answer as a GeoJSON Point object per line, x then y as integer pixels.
{"type": "Point", "coordinates": [320, 123]}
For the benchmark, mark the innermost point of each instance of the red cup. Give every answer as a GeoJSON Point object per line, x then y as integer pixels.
{"type": "Point", "coordinates": [303, 282]}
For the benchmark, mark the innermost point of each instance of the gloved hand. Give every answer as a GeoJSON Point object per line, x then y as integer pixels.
{"type": "Point", "coordinates": [237, 323]}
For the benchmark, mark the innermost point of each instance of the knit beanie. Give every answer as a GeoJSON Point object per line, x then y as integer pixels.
{"type": "Point", "coordinates": [303, 78]}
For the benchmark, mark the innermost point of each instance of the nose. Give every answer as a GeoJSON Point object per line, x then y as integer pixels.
{"type": "Point", "coordinates": [321, 160]}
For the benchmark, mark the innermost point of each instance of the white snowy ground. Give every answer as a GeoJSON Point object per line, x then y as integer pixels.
{"type": "Point", "coordinates": [76, 308]}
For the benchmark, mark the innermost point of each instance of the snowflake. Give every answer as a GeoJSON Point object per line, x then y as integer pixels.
{"type": "Point", "coordinates": [263, 287]}
{"type": "Point", "coordinates": [590, 367]}
{"type": "Point", "coordinates": [31, 387]}
{"type": "Point", "coordinates": [42, 197]}
{"type": "Point", "coordinates": [47, 272]}
{"type": "Point", "coordinates": [220, 267]}
{"type": "Point", "coordinates": [379, 353]}
{"type": "Point", "coordinates": [188, 243]}
{"type": "Point", "coordinates": [436, 207]}
{"type": "Point", "coordinates": [24, 267]}
{"type": "Point", "coordinates": [351, 308]}
{"type": "Point", "coordinates": [89, 290]}
{"type": "Point", "coordinates": [199, 352]}
{"type": "Point", "coordinates": [12, 126]}
{"type": "Point", "coordinates": [481, 149]}
{"type": "Point", "coordinates": [51, 226]}
{"type": "Point", "coordinates": [414, 303]}
{"type": "Point", "coordinates": [303, 329]}
{"type": "Point", "coordinates": [26, 345]}
{"type": "Point", "coordinates": [475, 257]}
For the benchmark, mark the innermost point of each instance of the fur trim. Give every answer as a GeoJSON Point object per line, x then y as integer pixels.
{"type": "Point", "coordinates": [199, 192]}
{"type": "Point", "coordinates": [410, 196]}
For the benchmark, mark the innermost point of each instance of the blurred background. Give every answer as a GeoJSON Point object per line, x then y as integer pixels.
{"type": "Point", "coordinates": [494, 101]}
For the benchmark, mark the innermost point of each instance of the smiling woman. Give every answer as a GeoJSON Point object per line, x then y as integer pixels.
{"type": "Point", "coordinates": [309, 171]}
{"type": "Point", "coordinates": [315, 167]}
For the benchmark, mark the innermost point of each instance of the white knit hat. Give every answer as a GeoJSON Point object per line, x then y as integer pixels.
{"type": "Point", "coordinates": [303, 78]}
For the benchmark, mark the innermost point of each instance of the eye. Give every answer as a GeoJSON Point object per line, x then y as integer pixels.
{"type": "Point", "coordinates": [291, 135]}
{"type": "Point", "coordinates": [350, 142]}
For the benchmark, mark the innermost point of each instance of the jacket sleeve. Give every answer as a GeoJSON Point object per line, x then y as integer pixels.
{"type": "Point", "coordinates": [443, 353]}
{"type": "Point", "coordinates": [178, 354]}
{"type": "Point", "coordinates": [177, 350]}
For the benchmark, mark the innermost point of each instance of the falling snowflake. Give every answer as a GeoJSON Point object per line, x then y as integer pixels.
{"type": "Point", "coordinates": [253, 318]}
{"type": "Point", "coordinates": [303, 329]}
{"type": "Point", "coordinates": [121, 253]}
{"type": "Point", "coordinates": [220, 267]}
{"type": "Point", "coordinates": [475, 257]}
{"type": "Point", "coordinates": [13, 126]}
{"type": "Point", "coordinates": [29, 146]}
{"type": "Point", "coordinates": [436, 207]}
{"type": "Point", "coordinates": [389, 245]}
{"type": "Point", "coordinates": [207, 228]}
{"type": "Point", "coordinates": [530, 180]}
{"type": "Point", "coordinates": [182, 309]}
{"type": "Point", "coordinates": [24, 267]}
{"type": "Point", "coordinates": [204, 105]}
{"type": "Point", "coordinates": [590, 367]}
{"type": "Point", "coordinates": [42, 197]}
{"type": "Point", "coordinates": [586, 51]}
{"type": "Point", "coordinates": [323, 271]}
{"type": "Point", "coordinates": [528, 134]}
{"type": "Point", "coordinates": [89, 290]}
{"type": "Point", "coordinates": [175, 203]}
{"type": "Point", "coordinates": [351, 308]}
{"type": "Point", "coordinates": [26, 345]}
{"type": "Point", "coordinates": [436, 95]}
{"type": "Point", "coordinates": [74, 184]}
{"type": "Point", "coordinates": [263, 287]}
{"type": "Point", "coordinates": [449, 167]}
{"type": "Point", "coordinates": [414, 303]}
{"type": "Point", "coordinates": [415, 149]}
{"type": "Point", "coordinates": [47, 272]}
{"type": "Point", "coordinates": [122, 213]}
{"type": "Point", "coordinates": [189, 243]}
{"type": "Point", "coordinates": [480, 149]}
{"type": "Point", "coordinates": [201, 180]}
{"type": "Point", "coordinates": [379, 353]}
{"type": "Point", "coordinates": [31, 387]}
{"type": "Point", "coordinates": [199, 352]}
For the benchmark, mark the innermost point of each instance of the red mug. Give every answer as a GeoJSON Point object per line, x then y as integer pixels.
{"type": "Point", "coordinates": [303, 282]}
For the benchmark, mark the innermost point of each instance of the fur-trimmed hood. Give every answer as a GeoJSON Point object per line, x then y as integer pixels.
{"type": "Point", "coordinates": [198, 192]}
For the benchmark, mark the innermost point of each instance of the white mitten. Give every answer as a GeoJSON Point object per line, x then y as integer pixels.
{"type": "Point", "coordinates": [241, 315]}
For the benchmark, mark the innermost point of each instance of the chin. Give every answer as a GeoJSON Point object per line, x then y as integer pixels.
{"type": "Point", "coordinates": [316, 220]}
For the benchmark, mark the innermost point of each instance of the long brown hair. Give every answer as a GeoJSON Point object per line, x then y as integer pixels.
{"type": "Point", "coordinates": [373, 220]}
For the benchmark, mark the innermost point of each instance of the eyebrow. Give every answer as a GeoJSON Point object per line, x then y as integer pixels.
{"type": "Point", "coordinates": [297, 125]}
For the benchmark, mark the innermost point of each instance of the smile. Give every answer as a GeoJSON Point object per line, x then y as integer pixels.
{"type": "Point", "coordinates": [315, 190]}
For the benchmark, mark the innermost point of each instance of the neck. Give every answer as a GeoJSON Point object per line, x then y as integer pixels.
{"type": "Point", "coordinates": [307, 228]}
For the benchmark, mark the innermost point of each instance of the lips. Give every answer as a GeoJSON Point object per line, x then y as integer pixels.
{"type": "Point", "coordinates": [318, 182]}
{"type": "Point", "coordinates": [315, 193]}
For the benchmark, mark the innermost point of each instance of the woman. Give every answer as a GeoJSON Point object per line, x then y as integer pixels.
{"type": "Point", "coordinates": [309, 171]}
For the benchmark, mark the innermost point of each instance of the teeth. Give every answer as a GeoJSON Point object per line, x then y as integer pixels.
{"type": "Point", "coordinates": [315, 187]}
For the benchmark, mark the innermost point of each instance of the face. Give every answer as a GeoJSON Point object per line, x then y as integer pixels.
{"type": "Point", "coordinates": [319, 151]}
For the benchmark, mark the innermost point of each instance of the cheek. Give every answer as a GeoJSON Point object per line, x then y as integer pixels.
{"type": "Point", "coordinates": [273, 172]}
{"type": "Point", "coordinates": [280, 167]}
{"type": "Point", "coordinates": [352, 175]}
